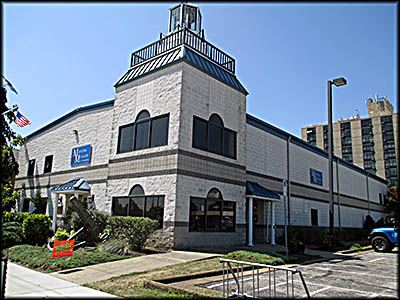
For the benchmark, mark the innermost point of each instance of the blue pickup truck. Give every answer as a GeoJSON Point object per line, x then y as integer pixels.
{"type": "Point", "coordinates": [384, 239]}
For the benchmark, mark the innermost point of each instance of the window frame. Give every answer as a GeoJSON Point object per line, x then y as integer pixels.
{"type": "Point", "coordinates": [224, 130]}
{"type": "Point", "coordinates": [205, 202]}
{"type": "Point", "coordinates": [31, 167]}
{"type": "Point", "coordinates": [48, 170]}
{"type": "Point", "coordinates": [133, 146]}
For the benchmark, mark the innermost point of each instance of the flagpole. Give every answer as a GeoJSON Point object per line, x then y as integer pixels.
{"type": "Point", "coordinates": [15, 107]}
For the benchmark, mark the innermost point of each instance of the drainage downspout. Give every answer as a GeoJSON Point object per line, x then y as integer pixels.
{"type": "Point", "coordinates": [288, 180]}
{"type": "Point", "coordinates": [367, 193]}
{"type": "Point", "coordinates": [338, 195]}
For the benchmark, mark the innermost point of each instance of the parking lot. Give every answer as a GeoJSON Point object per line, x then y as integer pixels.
{"type": "Point", "coordinates": [366, 275]}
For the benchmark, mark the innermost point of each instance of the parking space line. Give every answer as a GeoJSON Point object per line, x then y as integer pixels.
{"type": "Point", "coordinates": [376, 259]}
{"type": "Point", "coordinates": [317, 291]}
{"type": "Point", "coordinates": [356, 273]}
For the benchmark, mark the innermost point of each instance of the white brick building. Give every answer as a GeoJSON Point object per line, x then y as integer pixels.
{"type": "Point", "coordinates": [177, 145]}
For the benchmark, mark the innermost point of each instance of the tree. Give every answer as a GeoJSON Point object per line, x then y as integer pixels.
{"type": "Point", "coordinates": [39, 202]}
{"type": "Point", "coordinates": [392, 205]}
{"type": "Point", "coordinates": [9, 140]}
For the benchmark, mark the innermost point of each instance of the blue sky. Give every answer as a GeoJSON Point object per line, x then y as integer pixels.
{"type": "Point", "coordinates": [63, 56]}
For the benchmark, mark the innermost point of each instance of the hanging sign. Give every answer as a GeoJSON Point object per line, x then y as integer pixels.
{"type": "Point", "coordinates": [315, 177]}
{"type": "Point", "coordinates": [81, 155]}
{"type": "Point", "coordinates": [63, 249]}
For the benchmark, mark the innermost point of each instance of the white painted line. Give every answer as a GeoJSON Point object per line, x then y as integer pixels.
{"type": "Point", "coordinates": [376, 259]}
{"type": "Point", "coordinates": [356, 273]}
{"type": "Point", "coordinates": [373, 295]}
{"type": "Point", "coordinates": [317, 291]}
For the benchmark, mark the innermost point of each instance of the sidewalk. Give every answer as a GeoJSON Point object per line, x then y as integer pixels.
{"type": "Point", "coordinates": [131, 265]}
{"type": "Point", "coordinates": [26, 283]}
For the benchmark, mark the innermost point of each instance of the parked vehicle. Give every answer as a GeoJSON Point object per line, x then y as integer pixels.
{"type": "Point", "coordinates": [384, 239]}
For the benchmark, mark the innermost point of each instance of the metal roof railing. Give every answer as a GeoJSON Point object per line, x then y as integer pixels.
{"type": "Point", "coordinates": [187, 37]}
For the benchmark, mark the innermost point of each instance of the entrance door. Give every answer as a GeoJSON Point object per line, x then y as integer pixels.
{"type": "Point", "coordinates": [258, 221]}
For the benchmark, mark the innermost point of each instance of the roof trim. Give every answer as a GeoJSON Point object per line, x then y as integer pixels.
{"type": "Point", "coordinates": [260, 124]}
{"type": "Point", "coordinates": [70, 115]}
{"type": "Point", "coordinates": [255, 190]}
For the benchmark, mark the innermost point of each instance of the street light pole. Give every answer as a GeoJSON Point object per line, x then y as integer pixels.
{"type": "Point", "coordinates": [337, 82]}
{"type": "Point", "coordinates": [330, 147]}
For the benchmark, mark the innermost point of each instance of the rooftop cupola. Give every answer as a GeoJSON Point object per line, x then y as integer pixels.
{"type": "Point", "coordinates": [185, 15]}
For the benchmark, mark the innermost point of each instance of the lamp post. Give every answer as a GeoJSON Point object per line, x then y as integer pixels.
{"type": "Point", "coordinates": [337, 82]}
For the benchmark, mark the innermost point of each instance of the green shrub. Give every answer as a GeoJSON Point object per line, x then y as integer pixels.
{"type": "Point", "coordinates": [11, 234]}
{"type": "Point", "coordinates": [37, 229]}
{"type": "Point", "coordinates": [13, 217]}
{"type": "Point", "coordinates": [356, 246]}
{"type": "Point", "coordinates": [255, 257]}
{"type": "Point", "coordinates": [61, 235]}
{"type": "Point", "coordinates": [296, 246]}
{"type": "Point", "coordinates": [135, 230]}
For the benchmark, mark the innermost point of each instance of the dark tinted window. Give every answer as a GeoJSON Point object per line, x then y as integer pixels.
{"type": "Point", "coordinates": [126, 136]}
{"type": "Point", "coordinates": [199, 133]}
{"type": "Point", "coordinates": [159, 132]}
{"type": "Point", "coordinates": [120, 206]}
{"type": "Point", "coordinates": [31, 167]}
{"type": "Point", "coordinates": [212, 136]}
{"type": "Point", "coordinates": [48, 163]}
{"type": "Point", "coordinates": [314, 217]}
{"type": "Point", "coordinates": [136, 207]}
{"type": "Point", "coordinates": [146, 132]}
{"type": "Point", "coordinates": [155, 208]}
{"type": "Point", "coordinates": [197, 214]}
{"type": "Point", "coordinates": [142, 135]}
{"type": "Point", "coordinates": [229, 143]}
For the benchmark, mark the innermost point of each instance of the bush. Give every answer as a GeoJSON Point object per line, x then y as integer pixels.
{"type": "Point", "coordinates": [296, 246]}
{"type": "Point", "coordinates": [61, 235]}
{"type": "Point", "coordinates": [255, 257]}
{"type": "Point", "coordinates": [11, 234]}
{"type": "Point", "coordinates": [37, 229]}
{"type": "Point", "coordinates": [135, 230]}
{"type": "Point", "coordinates": [13, 217]}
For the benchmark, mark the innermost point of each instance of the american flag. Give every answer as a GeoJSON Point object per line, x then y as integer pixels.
{"type": "Point", "coordinates": [20, 120]}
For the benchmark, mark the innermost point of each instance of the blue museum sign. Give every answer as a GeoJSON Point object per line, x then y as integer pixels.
{"type": "Point", "coordinates": [81, 155]}
{"type": "Point", "coordinates": [315, 177]}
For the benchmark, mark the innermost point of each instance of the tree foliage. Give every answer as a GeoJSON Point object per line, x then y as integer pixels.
{"type": "Point", "coordinates": [393, 204]}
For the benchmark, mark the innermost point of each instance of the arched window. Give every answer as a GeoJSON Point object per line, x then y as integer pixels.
{"type": "Point", "coordinates": [212, 136]}
{"type": "Point", "coordinates": [146, 132]}
{"type": "Point", "coordinates": [144, 114]}
{"type": "Point", "coordinates": [137, 204]}
{"type": "Point", "coordinates": [136, 199]}
{"type": "Point", "coordinates": [142, 130]}
{"type": "Point", "coordinates": [137, 190]}
{"type": "Point", "coordinates": [215, 134]}
{"type": "Point", "coordinates": [212, 213]}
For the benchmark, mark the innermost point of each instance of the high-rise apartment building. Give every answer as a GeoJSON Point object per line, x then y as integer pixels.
{"type": "Point", "coordinates": [370, 143]}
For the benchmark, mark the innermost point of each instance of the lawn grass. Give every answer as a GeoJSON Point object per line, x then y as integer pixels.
{"type": "Point", "coordinates": [132, 285]}
{"type": "Point", "coordinates": [39, 258]}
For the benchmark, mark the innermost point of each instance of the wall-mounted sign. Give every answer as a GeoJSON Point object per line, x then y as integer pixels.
{"type": "Point", "coordinates": [316, 177]}
{"type": "Point", "coordinates": [81, 155]}
{"type": "Point", "coordinates": [63, 249]}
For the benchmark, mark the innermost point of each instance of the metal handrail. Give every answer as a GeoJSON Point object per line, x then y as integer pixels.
{"type": "Point", "coordinates": [187, 37]}
{"type": "Point", "coordinates": [239, 278]}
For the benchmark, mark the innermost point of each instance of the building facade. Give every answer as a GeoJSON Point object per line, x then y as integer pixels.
{"type": "Point", "coordinates": [370, 143]}
{"type": "Point", "coordinates": [177, 145]}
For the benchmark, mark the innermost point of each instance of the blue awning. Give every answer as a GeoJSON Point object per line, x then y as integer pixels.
{"type": "Point", "coordinates": [253, 189]}
{"type": "Point", "coordinates": [75, 185]}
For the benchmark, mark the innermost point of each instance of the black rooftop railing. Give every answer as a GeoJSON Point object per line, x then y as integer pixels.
{"type": "Point", "coordinates": [184, 36]}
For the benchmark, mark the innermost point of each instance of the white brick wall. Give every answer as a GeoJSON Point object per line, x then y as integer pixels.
{"type": "Point", "coordinates": [265, 153]}
{"type": "Point", "coordinates": [93, 128]}
{"type": "Point", "coordinates": [202, 96]}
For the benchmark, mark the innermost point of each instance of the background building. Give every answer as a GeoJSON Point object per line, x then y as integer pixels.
{"type": "Point", "coordinates": [370, 143]}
